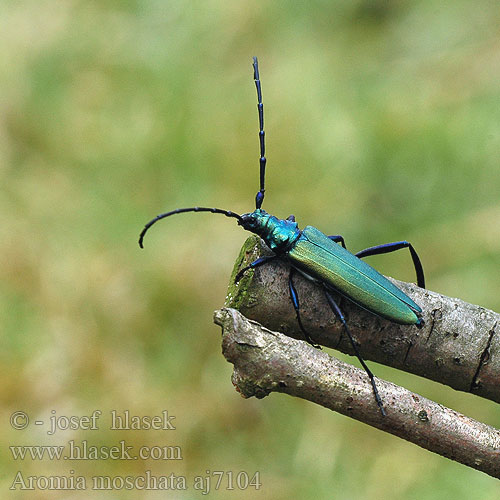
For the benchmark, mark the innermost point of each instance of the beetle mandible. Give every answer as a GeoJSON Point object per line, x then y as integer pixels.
{"type": "Point", "coordinates": [322, 259]}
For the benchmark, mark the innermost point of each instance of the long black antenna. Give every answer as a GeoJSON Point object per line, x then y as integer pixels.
{"type": "Point", "coordinates": [227, 213]}
{"type": "Point", "coordinates": [260, 195]}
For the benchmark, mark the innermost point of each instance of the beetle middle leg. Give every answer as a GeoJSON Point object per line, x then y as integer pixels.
{"type": "Point", "coordinates": [295, 300]}
{"type": "Point", "coordinates": [391, 247]}
{"type": "Point", "coordinates": [338, 239]}
{"type": "Point", "coordinates": [336, 310]}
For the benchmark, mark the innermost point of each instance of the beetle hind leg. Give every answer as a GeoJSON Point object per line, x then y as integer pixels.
{"type": "Point", "coordinates": [336, 310]}
{"type": "Point", "coordinates": [295, 300]}
{"type": "Point", "coordinates": [392, 247]}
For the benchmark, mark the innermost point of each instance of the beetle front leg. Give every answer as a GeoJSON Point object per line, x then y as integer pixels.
{"type": "Point", "coordinates": [392, 247]}
{"type": "Point", "coordinates": [336, 310]}
{"type": "Point", "coordinates": [256, 263]}
{"type": "Point", "coordinates": [295, 300]}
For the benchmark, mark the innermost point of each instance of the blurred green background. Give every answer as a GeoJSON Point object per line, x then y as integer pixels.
{"type": "Point", "coordinates": [382, 122]}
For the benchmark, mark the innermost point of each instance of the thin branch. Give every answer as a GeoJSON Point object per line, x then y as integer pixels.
{"type": "Point", "coordinates": [459, 344]}
{"type": "Point", "coordinates": [266, 361]}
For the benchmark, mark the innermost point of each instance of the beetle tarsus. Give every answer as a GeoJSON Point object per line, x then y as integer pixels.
{"type": "Point", "coordinates": [336, 310]}
{"type": "Point", "coordinates": [240, 274]}
{"type": "Point", "coordinates": [377, 396]}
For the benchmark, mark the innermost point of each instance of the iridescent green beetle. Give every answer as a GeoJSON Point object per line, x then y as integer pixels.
{"type": "Point", "coordinates": [322, 259]}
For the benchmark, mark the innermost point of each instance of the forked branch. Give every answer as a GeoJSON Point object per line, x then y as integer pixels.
{"type": "Point", "coordinates": [459, 344]}
{"type": "Point", "coordinates": [266, 361]}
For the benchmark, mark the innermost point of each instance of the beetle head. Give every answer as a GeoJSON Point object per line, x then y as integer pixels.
{"type": "Point", "coordinates": [279, 234]}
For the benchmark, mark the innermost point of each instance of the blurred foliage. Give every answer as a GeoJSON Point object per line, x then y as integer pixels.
{"type": "Point", "coordinates": [383, 123]}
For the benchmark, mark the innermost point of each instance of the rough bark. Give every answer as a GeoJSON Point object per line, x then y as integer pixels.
{"type": "Point", "coordinates": [266, 361]}
{"type": "Point", "coordinates": [459, 344]}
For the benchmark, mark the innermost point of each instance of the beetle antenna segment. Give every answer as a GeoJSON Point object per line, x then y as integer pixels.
{"type": "Point", "coordinates": [227, 213]}
{"type": "Point", "coordinates": [260, 195]}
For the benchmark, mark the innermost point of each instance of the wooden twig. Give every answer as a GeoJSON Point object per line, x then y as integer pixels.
{"type": "Point", "coordinates": [459, 344]}
{"type": "Point", "coordinates": [266, 361]}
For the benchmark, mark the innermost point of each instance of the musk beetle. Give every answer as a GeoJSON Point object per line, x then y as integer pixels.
{"type": "Point", "coordinates": [322, 259]}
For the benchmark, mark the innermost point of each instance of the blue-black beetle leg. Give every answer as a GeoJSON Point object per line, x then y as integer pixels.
{"type": "Point", "coordinates": [295, 300]}
{"type": "Point", "coordinates": [338, 239]}
{"type": "Point", "coordinates": [391, 247]}
{"type": "Point", "coordinates": [336, 310]}
{"type": "Point", "coordinates": [256, 263]}
{"type": "Point", "coordinates": [291, 218]}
